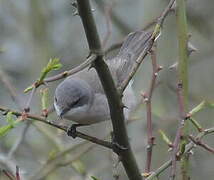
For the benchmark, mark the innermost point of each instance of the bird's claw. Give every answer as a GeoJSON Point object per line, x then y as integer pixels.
{"type": "Point", "coordinates": [72, 131]}
{"type": "Point", "coordinates": [117, 148]}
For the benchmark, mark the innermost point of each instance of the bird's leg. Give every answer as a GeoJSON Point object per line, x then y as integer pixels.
{"type": "Point", "coordinates": [72, 130]}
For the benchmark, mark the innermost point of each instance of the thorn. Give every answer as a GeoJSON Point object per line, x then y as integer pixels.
{"type": "Point", "coordinates": [159, 68]}
{"type": "Point", "coordinates": [180, 85]}
{"type": "Point", "coordinates": [74, 4]}
{"type": "Point", "coordinates": [144, 95]}
{"type": "Point", "coordinates": [188, 115]}
{"type": "Point", "coordinates": [76, 13]}
{"type": "Point", "coordinates": [65, 73]}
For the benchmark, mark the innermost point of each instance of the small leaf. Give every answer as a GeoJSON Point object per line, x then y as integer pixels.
{"type": "Point", "coordinates": [5, 129]}
{"type": "Point", "coordinates": [9, 118]}
{"type": "Point", "coordinates": [165, 138]}
{"type": "Point", "coordinates": [53, 64]}
{"type": "Point", "coordinates": [28, 88]}
{"type": "Point", "coordinates": [94, 178]}
{"type": "Point", "coordinates": [198, 108]}
{"type": "Point", "coordinates": [211, 105]}
{"type": "Point", "coordinates": [196, 124]}
{"type": "Point", "coordinates": [11, 124]}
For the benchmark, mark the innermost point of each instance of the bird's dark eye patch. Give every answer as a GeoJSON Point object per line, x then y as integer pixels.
{"type": "Point", "coordinates": [75, 103]}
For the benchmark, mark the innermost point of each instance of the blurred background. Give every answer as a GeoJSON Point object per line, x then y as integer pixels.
{"type": "Point", "coordinates": [32, 32]}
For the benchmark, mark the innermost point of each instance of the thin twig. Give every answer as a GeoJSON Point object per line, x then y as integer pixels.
{"type": "Point", "coordinates": [166, 11]}
{"type": "Point", "coordinates": [27, 107]}
{"type": "Point", "coordinates": [149, 45]}
{"type": "Point", "coordinates": [200, 143]}
{"type": "Point", "coordinates": [17, 173]}
{"type": "Point", "coordinates": [147, 99]}
{"type": "Point", "coordinates": [65, 74]}
{"type": "Point", "coordinates": [179, 130]}
{"type": "Point", "coordinates": [188, 148]}
{"type": "Point", "coordinates": [43, 120]}
{"type": "Point", "coordinates": [8, 174]}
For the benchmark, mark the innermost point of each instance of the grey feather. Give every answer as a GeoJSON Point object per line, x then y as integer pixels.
{"type": "Point", "coordinates": [81, 97]}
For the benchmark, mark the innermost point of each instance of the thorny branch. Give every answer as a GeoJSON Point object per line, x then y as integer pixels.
{"type": "Point", "coordinates": [176, 142]}
{"type": "Point", "coordinates": [147, 98]}
{"type": "Point", "coordinates": [188, 148]}
{"type": "Point", "coordinates": [200, 143]}
{"type": "Point", "coordinates": [43, 120]}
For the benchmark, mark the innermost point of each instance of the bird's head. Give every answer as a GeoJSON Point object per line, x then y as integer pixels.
{"type": "Point", "coordinates": [70, 94]}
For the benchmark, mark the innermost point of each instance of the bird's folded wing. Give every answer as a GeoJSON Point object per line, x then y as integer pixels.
{"type": "Point", "coordinates": [133, 46]}
{"type": "Point", "coordinates": [121, 65]}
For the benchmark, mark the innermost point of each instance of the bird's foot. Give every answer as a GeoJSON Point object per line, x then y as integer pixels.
{"type": "Point", "coordinates": [117, 148]}
{"type": "Point", "coordinates": [72, 130]}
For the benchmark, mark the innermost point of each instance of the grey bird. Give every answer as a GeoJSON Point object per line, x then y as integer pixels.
{"type": "Point", "coordinates": [81, 98]}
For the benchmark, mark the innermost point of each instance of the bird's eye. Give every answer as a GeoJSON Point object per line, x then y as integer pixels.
{"type": "Point", "coordinates": [75, 102]}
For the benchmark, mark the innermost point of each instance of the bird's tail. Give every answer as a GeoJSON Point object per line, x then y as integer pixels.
{"type": "Point", "coordinates": [133, 46]}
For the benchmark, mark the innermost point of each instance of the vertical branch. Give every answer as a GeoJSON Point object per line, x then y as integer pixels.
{"type": "Point", "coordinates": [148, 99]}
{"type": "Point", "coordinates": [179, 132]}
{"type": "Point", "coordinates": [183, 74]}
{"type": "Point", "coordinates": [113, 97]}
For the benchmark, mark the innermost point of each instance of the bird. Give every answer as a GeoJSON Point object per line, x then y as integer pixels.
{"type": "Point", "coordinates": [81, 98]}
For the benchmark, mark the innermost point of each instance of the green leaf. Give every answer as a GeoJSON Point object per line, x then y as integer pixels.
{"type": "Point", "coordinates": [53, 64]}
{"type": "Point", "coordinates": [29, 88]}
{"type": "Point", "coordinates": [165, 138]}
{"type": "Point", "coordinates": [198, 108]}
{"type": "Point", "coordinates": [196, 124]}
{"type": "Point", "coordinates": [9, 118]}
{"type": "Point", "coordinates": [5, 129]}
{"type": "Point", "coordinates": [94, 178]}
{"type": "Point", "coordinates": [211, 105]}
{"type": "Point", "coordinates": [11, 124]}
